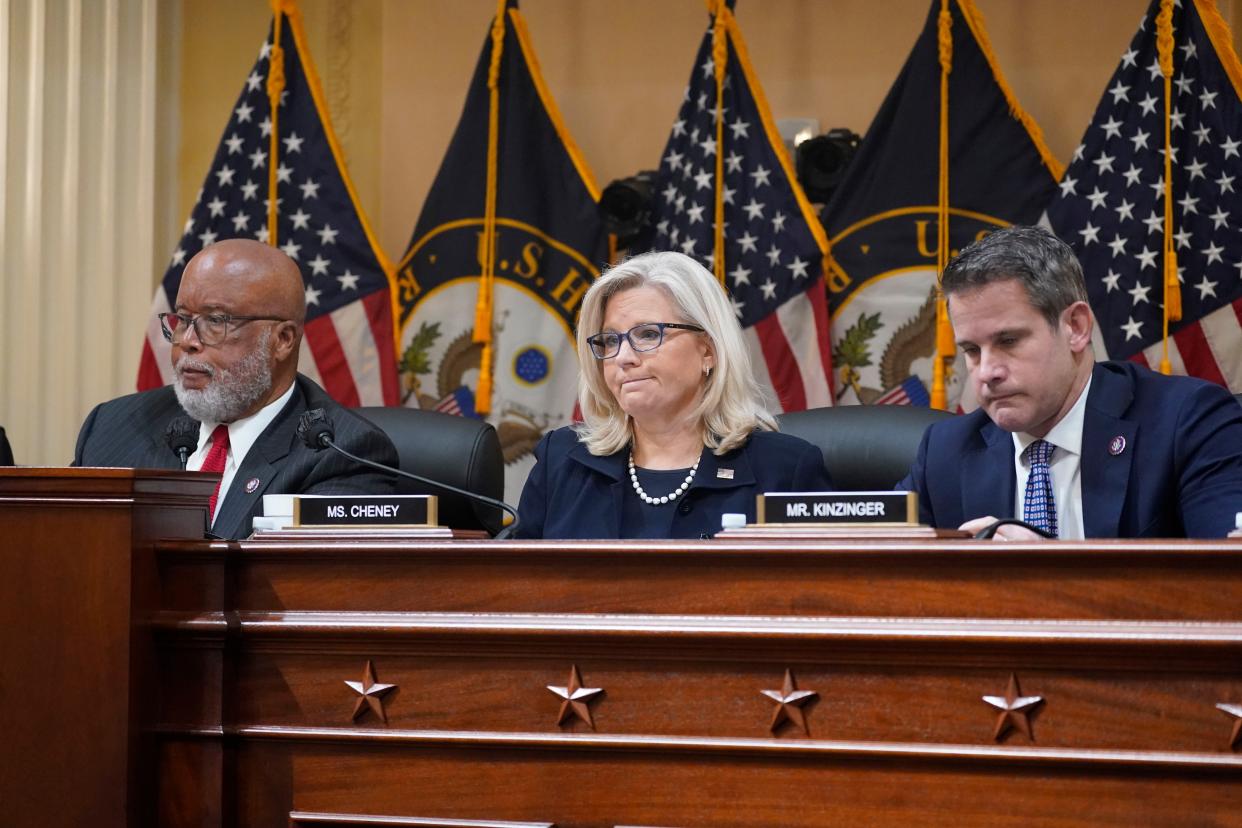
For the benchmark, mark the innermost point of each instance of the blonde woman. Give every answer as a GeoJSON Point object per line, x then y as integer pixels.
{"type": "Point", "coordinates": [675, 432]}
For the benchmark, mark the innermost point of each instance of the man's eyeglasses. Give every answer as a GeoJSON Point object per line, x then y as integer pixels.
{"type": "Point", "coordinates": [210, 328]}
{"type": "Point", "coordinates": [645, 337]}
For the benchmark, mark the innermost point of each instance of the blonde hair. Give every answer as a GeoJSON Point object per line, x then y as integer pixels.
{"type": "Point", "coordinates": [730, 403]}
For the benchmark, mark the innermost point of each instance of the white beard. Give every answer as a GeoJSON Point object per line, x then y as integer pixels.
{"type": "Point", "coordinates": [232, 392]}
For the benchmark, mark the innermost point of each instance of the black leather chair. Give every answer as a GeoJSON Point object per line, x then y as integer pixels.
{"type": "Point", "coordinates": [6, 453]}
{"type": "Point", "coordinates": [461, 451]}
{"type": "Point", "coordinates": [865, 447]}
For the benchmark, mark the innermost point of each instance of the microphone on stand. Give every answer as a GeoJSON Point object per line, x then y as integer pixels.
{"type": "Point", "coordinates": [316, 431]}
{"type": "Point", "coordinates": [182, 437]}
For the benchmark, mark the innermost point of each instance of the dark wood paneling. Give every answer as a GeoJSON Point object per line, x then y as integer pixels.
{"type": "Point", "coordinates": [188, 683]}
{"type": "Point", "coordinates": [1105, 685]}
{"type": "Point", "coordinates": [604, 787]}
{"type": "Point", "coordinates": [78, 676]}
{"type": "Point", "coordinates": [1141, 580]}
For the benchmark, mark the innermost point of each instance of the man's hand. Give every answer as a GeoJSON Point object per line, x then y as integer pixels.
{"type": "Point", "coordinates": [1008, 532]}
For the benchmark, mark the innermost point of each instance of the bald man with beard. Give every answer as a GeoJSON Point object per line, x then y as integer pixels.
{"type": "Point", "coordinates": [236, 332]}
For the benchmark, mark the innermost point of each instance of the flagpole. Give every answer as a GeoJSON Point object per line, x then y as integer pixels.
{"type": "Point", "coordinates": [275, 88]}
{"type": "Point", "coordinates": [1172, 289]}
{"type": "Point", "coordinates": [944, 331]}
{"type": "Point", "coordinates": [483, 307]}
{"type": "Point", "coordinates": [720, 57]}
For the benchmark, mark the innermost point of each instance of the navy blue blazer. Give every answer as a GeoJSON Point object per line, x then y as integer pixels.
{"type": "Point", "coordinates": [1179, 475]}
{"type": "Point", "coordinates": [129, 432]}
{"type": "Point", "coordinates": [572, 493]}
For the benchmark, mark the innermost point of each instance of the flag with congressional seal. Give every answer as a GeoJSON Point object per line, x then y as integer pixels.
{"type": "Point", "coordinates": [1110, 207]}
{"type": "Point", "coordinates": [883, 220]}
{"type": "Point", "coordinates": [349, 343]}
{"type": "Point", "coordinates": [549, 244]}
{"type": "Point", "coordinates": [773, 244]}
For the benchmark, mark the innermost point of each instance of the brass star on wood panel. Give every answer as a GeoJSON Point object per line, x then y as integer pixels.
{"type": "Point", "coordinates": [1015, 710]}
{"type": "Point", "coordinates": [1234, 710]}
{"type": "Point", "coordinates": [577, 699]}
{"type": "Point", "coordinates": [370, 694]}
{"type": "Point", "coordinates": [789, 700]}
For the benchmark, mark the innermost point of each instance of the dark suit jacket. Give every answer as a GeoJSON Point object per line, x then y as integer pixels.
{"type": "Point", "coordinates": [129, 432]}
{"type": "Point", "coordinates": [572, 493]}
{"type": "Point", "coordinates": [6, 453]}
{"type": "Point", "coordinates": [1180, 474]}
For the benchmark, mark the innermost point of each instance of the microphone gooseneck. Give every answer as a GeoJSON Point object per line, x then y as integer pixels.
{"type": "Point", "coordinates": [316, 431]}
{"type": "Point", "coordinates": [987, 532]}
{"type": "Point", "coordinates": [182, 437]}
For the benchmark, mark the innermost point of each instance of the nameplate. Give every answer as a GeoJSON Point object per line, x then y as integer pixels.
{"type": "Point", "coordinates": [870, 508]}
{"type": "Point", "coordinates": [364, 510]}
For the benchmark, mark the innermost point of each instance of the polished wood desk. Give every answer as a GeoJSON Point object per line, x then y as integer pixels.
{"type": "Point", "coordinates": [688, 666]}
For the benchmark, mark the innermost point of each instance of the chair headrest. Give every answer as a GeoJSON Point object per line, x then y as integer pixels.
{"type": "Point", "coordinates": [865, 447]}
{"type": "Point", "coordinates": [461, 451]}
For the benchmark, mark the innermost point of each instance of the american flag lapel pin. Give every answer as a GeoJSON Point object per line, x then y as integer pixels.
{"type": "Point", "coordinates": [724, 474]}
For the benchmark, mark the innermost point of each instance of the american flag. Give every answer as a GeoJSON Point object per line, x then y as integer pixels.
{"type": "Point", "coordinates": [459, 403]}
{"type": "Point", "coordinates": [1111, 204]}
{"type": "Point", "coordinates": [774, 246]}
{"type": "Point", "coordinates": [909, 391]}
{"type": "Point", "coordinates": [349, 345]}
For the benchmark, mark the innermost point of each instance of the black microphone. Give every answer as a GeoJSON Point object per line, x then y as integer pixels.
{"type": "Point", "coordinates": [315, 430]}
{"type": "Point", "coordinates": [182, 438]}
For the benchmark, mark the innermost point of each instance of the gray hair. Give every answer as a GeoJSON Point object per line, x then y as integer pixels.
{"type": "Point", "coordinates": [730, 402]}
{"type": "Point", "coordinates": [1032, 256]}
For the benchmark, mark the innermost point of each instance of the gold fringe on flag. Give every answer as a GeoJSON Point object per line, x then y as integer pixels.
{"type": "Point", "coordinates": [945, 347]}
{"type": "Point", "coordinates": [483, 309]}
{"type": "Point", "coordinates": [1172, 288]}
{"type": "Point", "coordinates": [720, 57]}
{"type": "Point", "coordinates": [973, 19]}
{"type": "Point", "coordinates": [275, 88]}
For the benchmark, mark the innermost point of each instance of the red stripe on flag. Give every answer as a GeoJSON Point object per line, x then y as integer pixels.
{"type": "Point", "coordinates": [448, 405]}
{"type": "Point", "coordinates": [1197, 354]}
{"type": "Point", "coordinates": [148, 371]}
{"type": "Point", "coordinates": [818, 296]}
{"type": "Point", "coordinates": [897, 396]}
{"type": "Point", "coordinates": [782, 364]}
{"type": "Point", "coordinates": [1141, 359]}
{"type": "Point", "coordinates": [1237, 310]}
{"type": "Point", "coordinates": [379, 316]}
{"type": "Point", "coordinates": [325, 345]}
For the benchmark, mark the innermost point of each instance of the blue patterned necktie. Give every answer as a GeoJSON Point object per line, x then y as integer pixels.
{"type": "Point", "coordinates": [1039, 508]}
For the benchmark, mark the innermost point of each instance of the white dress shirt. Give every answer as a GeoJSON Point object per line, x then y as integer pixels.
{"type": "Point", "coordinates": [1065, 467]}
{"type": "Point", "coordinates": [242, 434]}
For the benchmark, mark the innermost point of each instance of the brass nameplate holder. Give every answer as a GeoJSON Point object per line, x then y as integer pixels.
{"type": "Point", "coordinates": [851, 508]}
{"type": "Point", "coordinates": [827, 515]}
{"type": "Point", "coordinates": [364, 510]}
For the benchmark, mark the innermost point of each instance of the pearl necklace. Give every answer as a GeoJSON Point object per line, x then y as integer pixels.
{"type": "Point", "coordinates": [669, 498]}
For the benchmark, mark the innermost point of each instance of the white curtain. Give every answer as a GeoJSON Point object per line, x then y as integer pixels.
{"type": "Point", "coordinates": [86, 185]}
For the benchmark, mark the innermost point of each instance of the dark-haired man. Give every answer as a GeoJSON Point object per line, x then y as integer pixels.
{"type": "Point", "coordinates": [236, 332]}
{"type": "Point", "coordinates": [1074, 447]}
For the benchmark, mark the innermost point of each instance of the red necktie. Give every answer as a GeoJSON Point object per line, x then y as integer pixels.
{"type": "Point", "coordinates": [214, 462]}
